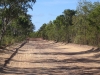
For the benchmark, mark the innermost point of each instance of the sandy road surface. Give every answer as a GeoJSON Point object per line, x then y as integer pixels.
{"type": "Point", "coordinates": [49, 58]}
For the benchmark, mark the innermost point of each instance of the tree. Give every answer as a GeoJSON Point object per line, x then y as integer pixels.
{"type": "Point", "coordinates": [81, 24]}
{"type": "Point", "coordinates": [94, 21]}
{"type": "Point", "coordinates": [25, 24]}
{"type": "Point", "coordinates": [42, 32]}
{"type": "Point", "coordinates": [11, 10]}
{"type": "Point", "coordinates": [68, 14]}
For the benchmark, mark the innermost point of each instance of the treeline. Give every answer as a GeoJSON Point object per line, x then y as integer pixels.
{"type": "Point", "coordinates": [81, 26]}
{"type": "Point", "coordinates": [15, 23]}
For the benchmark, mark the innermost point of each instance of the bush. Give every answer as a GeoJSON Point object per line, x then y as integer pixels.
{"type": "Point", "coordinates": [7, 40]}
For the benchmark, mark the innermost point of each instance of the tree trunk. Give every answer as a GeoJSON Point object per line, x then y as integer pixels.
{"type": "Point", "coordinates": [3, 30]}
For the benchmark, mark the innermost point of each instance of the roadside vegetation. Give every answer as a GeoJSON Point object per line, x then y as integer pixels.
{"type": "Point", "coordinates": [81, 26]}
{"type": "Point", "coordinates": [15, 23]}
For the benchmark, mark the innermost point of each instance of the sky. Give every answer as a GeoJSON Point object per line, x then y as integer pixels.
{"type": "Point", "coordinates": [47, 10]}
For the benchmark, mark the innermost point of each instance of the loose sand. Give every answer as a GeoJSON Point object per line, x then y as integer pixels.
{"type": "Point", "coordinates": [49, 58]}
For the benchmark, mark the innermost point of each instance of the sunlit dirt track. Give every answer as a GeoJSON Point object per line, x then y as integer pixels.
{"type": "Point", "coordinates": [49, 58]}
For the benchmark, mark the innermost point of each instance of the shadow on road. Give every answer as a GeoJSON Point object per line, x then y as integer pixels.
{"type": "Point", "coordinates": [59, 70]}
{"type": "Point", "coordinates": [9, 59]}
{"type": "Point", "coordinates": [55, 70]}
{"type": "Point", "coordinates": [71, 53]}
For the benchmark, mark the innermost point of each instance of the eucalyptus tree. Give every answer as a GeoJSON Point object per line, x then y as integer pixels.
{"type": "Point", "coordinates": [59, 28]}
{"type": "Point", "coordinates": [68, 14]}
{"type": "Point", "coordinates": [50, 31]}
{"type": "Point", "coordinates": [94, 21]}
{"type": "Point", "coordinates": [12, 9]}
{"type": "Point", "coordinates": [25, 25]}
{"type": "Point", "coordinates": [80, 21]}
{"type": "Point", "coordinates": [80, 26]}
{"type": "Point", "coordinates": [42, 31]}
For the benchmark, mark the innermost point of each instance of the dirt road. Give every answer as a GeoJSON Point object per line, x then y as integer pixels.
{"type": "Point", "coordinates": [49, 58]}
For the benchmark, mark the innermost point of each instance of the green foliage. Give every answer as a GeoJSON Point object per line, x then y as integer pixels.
{"type": "Point", "coordinates": [8, 40]}
{"type": "Point", "coordinates": [15, 23]}
{"type": "Point", "coordinates": [33, 34]}
{"type": "Point", "coordinates": [81, 26]}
